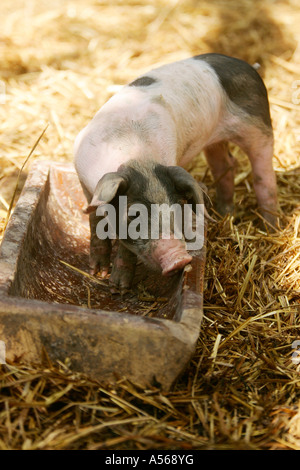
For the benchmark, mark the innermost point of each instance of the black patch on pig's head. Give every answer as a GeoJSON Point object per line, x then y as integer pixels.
{"type": "Point", "coordinates": [143, 81]}
{"type": "Point", "coordinates": [137, 184]}
{"type": "Point", "coordinates": [242, 84]}
{"type": "Point", "coordinates": [179, 184]}
{"type": "Point", "coordinates": [163, 175]}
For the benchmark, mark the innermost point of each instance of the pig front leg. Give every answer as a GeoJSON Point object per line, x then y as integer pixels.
{"type": "Point", "coordinates": [222, 165]}
{"type": "Point", "coordinates": [123, 270]}
{"type": "Point", "coordinates": [100, 250]}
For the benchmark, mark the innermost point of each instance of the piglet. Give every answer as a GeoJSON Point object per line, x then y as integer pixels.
{"type": "Point", "coordinates": [138, 142]}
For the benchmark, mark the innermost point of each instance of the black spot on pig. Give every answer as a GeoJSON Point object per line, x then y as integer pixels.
{"type": "Point", "coordinates": [143, 81]}
{"type": "Point", "coordinates": [163, 175]}
{"type": "Point", "coordinates": [137, 185]}
{"type": "Point", "coordinates": [179, 185]}
{"type": "Point", "coordinates": [242, 84]}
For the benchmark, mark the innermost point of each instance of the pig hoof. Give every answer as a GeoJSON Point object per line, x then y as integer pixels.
{"type": "Point", "coordinates": [99, 264]}
{"type": "Point", "coordinates": [270, 220]}
{"type": "Point", "coordinates": [104, 272]}
{"type": "Point", "coordinates": [116, 291]}
{"type": "Point", "coordinates": [223, 209]}
{"type": "Point", "coordinates": [119, 291]}
{"type": "Point", "coordinates": [96, 269]}
{"type": "Point", "coordinates": [269, 225]}
{"type": "Point", "coordinates": [120, 280]}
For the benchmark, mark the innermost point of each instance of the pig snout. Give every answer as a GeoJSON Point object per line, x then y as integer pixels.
{"type": "Point", "coordinates": [171, 255]}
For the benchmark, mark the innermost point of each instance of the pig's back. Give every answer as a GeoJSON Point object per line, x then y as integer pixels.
{"type": "Point", "coordinates": [190, 91]}
{"type": "Point", "coordinates": [171, 113]}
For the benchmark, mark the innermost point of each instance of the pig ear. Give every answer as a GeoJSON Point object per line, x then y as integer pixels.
{"type": "Point", "coordinates": [194, 192]}
{"type": "Point", "coordinates": [107, 188]}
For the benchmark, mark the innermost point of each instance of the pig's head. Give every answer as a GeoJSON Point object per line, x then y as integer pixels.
{"type": "Point", "coordinates": [150, 185]}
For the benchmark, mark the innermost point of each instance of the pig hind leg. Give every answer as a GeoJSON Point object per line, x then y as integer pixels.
{"type": "Point", "coordinates": [222, 165]}
{"type": "Point", "coordinates": [259, 148]}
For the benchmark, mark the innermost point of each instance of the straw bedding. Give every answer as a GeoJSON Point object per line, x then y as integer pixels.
{"type": "Point", "coordinates": [58, 64]}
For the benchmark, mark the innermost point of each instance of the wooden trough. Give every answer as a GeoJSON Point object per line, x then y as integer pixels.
{"type": "Point", "coordinates": [48, 304]}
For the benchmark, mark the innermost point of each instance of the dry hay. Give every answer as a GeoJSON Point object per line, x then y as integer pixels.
{"type": "Point", "coordinates": [241, 390]}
